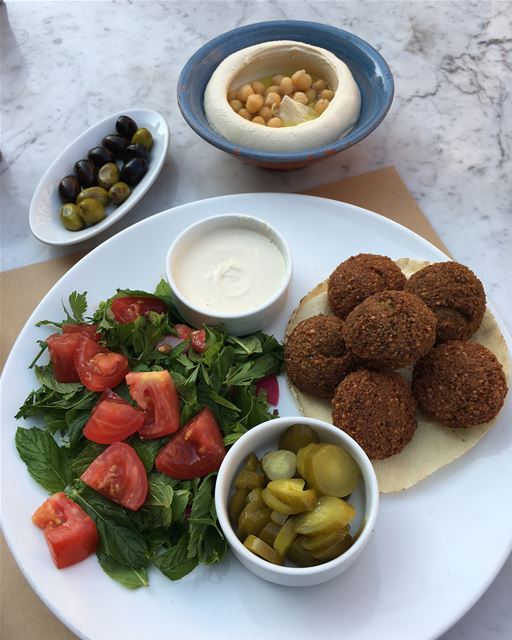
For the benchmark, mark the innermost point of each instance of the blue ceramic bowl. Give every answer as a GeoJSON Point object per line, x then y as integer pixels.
{"type": "Point", "coordinates": [368, 67]}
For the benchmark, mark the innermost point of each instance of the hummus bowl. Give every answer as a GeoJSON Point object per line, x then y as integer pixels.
{"type": "Point", "coordinates": [369, 70]}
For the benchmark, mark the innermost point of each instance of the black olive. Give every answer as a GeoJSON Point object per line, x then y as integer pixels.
{"type": "Point", "coordinates": [116, 144]}
{"type": "Point", "coordinates": [69, 188]}
{"type": "Point", "coordinates": [133, 171]}
{"type": "Point", "coordinates": [126, 127]}
{"type": "Point", "coordinates": [135, 151]}
{"type": "Point", "coordinates": [86, 173]}
{"type": "Point", "coordinates": [100, 156]}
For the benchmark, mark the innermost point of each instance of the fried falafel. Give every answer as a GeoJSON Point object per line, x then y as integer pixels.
{"type": "Point", "coordinates": [460, 384]}
{"type": "Point", "coordinates": [455, 295]}
{"type": "Point", "coordinates": [390, 330]}
{"type": "Point", "coordinates": [315, 355]}
{"type": "Point", "coordinates": [359, 277]}
{"type": "Point", "coordinates": [377, 409]}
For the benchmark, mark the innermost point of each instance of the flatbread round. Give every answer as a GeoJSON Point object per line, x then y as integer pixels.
{"type": "Point", "coordinates": [433, 445]}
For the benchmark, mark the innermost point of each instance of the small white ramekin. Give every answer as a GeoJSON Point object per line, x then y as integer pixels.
{"type": "Point", "coordinates": [365, 498]}
{"type": "Point", "coordinates": [236, 324]}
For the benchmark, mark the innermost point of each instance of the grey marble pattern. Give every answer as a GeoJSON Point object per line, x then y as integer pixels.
{"type": "Point", "coordinates": [66, 65]}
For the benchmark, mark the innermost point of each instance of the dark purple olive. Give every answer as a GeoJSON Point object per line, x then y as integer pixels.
{"type": "Point", "coordinates": [86, 173]}
{"type": "Point", "coordinates": [133, 171]}
{"type": "Point", "coordinates": [100, 156]}
{"type": "Point", "coordinates": [135, 151]}
{"type": "Point", "coordinates": [69, 188]}
{"type": "Point", "coordinates": [126, 127]}
{"type": "Point", "coordinates": [115, 144]}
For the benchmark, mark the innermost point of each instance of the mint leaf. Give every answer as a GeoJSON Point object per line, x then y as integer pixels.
{"type": "Point", "coordinates": [46, 462]}
{"type": "Point", "coordinates": [127, 576]}
{"type": "Point", "coordinates": [89, 453]}
{"type": "Point", "coordinates": [118, 538]}
{"type": "Point", "coordinates": [46, 378]}
{"type": "Point", "coordinates": [156, 512]}
{"type": "Point", "coordinates": [78, 304]}
{"type": "Point", "coordinates": [147, 450]}
{"type": "Point", "coordinates": [175, 563]}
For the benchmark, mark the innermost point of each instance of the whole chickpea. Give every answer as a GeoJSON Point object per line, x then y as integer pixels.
{"type": "Point", "coordinates": [302, 80]}
{"type": "Point", "coordinates": [319, 85]}
{"type": "Point", "coordinates": [277, 79]}
{"type": "Point", "coordinates": [244, 92]}
{"type": "Point", "coordinates": [254, 103]}
{"type": "Point", "coordinates": [321, 106]}
{"type": "Point", "coordinates": [231, 95]}
{"type": "Point", "coordinates": [236, 105]}
{"type": "Point", "coordinates": [275, 122]}
{"type": "Point", "coordinates": [311, 95]}
{"type": "Point", "coordinates": [258, 120]}
{"type": "Point", "coordinates": [258, 87]}
{"type": "Point", "coordinates": [298, 96]}
{"type": "Point", "coordinates": [265, 112]}
{"type": "Point", "coordinates": [327, 94]}
{"type": "Point", "coordinates": [286, 86]}
{"type": "Point", "coordinates": [274, 88]}
{"type": "Point", "coordinates": [272, 98]}
{"type": "Point", "coordinates": [245, 114]}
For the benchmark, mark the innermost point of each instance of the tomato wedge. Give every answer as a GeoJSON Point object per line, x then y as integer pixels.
{"type": "Point", "coordinates": [156, 395]}
{"type": "Point", "coordinates": [195, 451]}
{"type": "Point", "coordinates": [70, 533]}
{"type": "Point", "coordinates": [89, 330]}
{"type": "Point", "coordinates": [112, 419]}
{"type": "Point", "coordinates": [118, 474]}
{"type": "Point", "coordinates": [128, 308]}
{"type": "Point", "coordinates": [98, 368]}
{"type": "Point", "coordinates": [197, 337]}
{"type": "Point", "coordinates": [62, 348]}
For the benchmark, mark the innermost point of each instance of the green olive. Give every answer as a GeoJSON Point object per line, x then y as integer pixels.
{"type": "Point", "coordinates": [108, 175]}
{"type": "Point", "coordinates": [144, 137]}
{"type": "Point", "coordinates": [70, 217]}
{"type": "Point", "coordinates": [91, 211]}
{"type": "Point", "coordinates": [96, 193]}
{"type": "Point", "coordinates": [119, 192]}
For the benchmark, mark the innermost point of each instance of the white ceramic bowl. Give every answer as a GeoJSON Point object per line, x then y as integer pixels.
{"type": "Point", "coordinates": [45, 206]}
{"type": "Point", "coordinates": [254, 319]}
{"type": "Point", "coordinates": [365, 498]}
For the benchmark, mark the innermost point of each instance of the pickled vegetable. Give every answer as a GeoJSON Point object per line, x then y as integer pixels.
{"type": "Point", "coordinates": [329, 514]}
{"type": "Point", "coordinates": [298, 436]}
{"type": "Point", "coordinates": [261, 549]}
{"type": "Point", "coordinates": [236, 504]}
{"type": "Point", "coordinates": [292, 493]}
{"type": "Point", "coordinates": [302, 454]}
{"type": "Point", "coordinates": [278, 518]}
{"type": "Point", "coordinates": [277, 505]}
{"type": "Point", "coordinates": [269, 533]}
{"type": "Point", "coordinates": [254, 496]}
{"type": "Point", "coordinates": [279, 464]}
{"type": "Point", "coordinates": [334, 550]}
{"type": "Point", "coordinates": [323, 540]}
{"type": "Point", "coordinates": [331, 470]}
{"type": "Point", "coordinates": [285, 537]}
{"type": "Point", "coordinates": [249, 480]}
{"type": "Point", "coordinates": [299, 556]}
{"type": "Point", "coordinates": [252, 519]}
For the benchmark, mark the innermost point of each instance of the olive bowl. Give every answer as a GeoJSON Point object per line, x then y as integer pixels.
{"type": "Point", "coordinates": [365, 499]}
{"type": "Point", "coordinates": [369, 69]}
{"type": "Point", "coordinates": [45, 206]}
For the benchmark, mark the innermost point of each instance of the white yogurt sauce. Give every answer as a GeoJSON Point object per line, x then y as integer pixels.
{"type": "Point", "coordinates": [230, 270]}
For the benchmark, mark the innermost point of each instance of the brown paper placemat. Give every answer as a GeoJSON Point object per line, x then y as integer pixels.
{"type": "Point", "coordinates": [23, 615]}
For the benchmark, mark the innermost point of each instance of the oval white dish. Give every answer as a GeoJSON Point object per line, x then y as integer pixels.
{"type": "Point", "coordinates": [45, 205]}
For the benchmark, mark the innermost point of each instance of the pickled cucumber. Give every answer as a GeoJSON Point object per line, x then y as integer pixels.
{"type": "Point", "coordinates": [298, 436]}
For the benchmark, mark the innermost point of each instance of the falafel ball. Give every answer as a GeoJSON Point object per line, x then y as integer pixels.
{"type": "Point", "coordinates": [390, 330]}
{"type": "Point", "coordinates": [360, 277]}
{"type": "Point", "coordinates": [460, 384]}
{"type": "Point", "coordinates": [454, 294]}
{"type": "Point", "coordinates": [377, 409]}
{"type": "Point", "coordinates": [315, 355]}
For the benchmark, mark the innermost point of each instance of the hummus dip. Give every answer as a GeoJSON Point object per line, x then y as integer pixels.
{"type": "Point", "coordinates": [284, 57]}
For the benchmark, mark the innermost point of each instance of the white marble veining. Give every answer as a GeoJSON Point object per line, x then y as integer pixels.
{"type": "Point", "coordinates": [66, 65]}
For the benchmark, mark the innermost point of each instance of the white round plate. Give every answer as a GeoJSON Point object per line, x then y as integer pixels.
{"type": "Point", "coordinates": [44, 218]}
{"type": "Point", "coordinates": [435, 549]}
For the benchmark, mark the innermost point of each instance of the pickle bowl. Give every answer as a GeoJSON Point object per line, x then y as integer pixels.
{"type": "Point", "coordinates": [365, 499]}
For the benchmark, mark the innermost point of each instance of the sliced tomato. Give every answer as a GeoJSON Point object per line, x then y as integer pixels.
{"type": "Point", "coordinates": [112, 419]}
{"type": "Point", "coordinates": [128, 308]}
{"type": "Point", "coordinates": [270, 385]}
{"type": "Point", "coordinates": [197, 337]}
{"type": "Point", "coordinates": [156, 395]}
{"type": "Point", "coordinates": [195, 451]}
{"type": "Point", "coordinates": [89, 330]}
{"type": "Point", "coordinates": [98, 368]}
{"type": "Point", "coordinates": [118, 474]}
{"type": "Point", "coordinates": [70, 533]}
{"type": "Point", "coordinates": [62, 348]}
{"type": "Point", "coordinates": [198, 340]}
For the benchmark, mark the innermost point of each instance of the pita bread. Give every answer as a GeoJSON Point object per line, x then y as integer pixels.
{"type": "Point", "coordinates": [433, 445]}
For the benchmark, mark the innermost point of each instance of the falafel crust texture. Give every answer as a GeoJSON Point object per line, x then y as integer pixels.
{"type": "Point", "coordinates": [377, 409]}
{"type": "Point", "coordinates": [359, 277]}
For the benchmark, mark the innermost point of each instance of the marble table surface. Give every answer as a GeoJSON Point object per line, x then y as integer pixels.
{"type": "Point", "coordinates": [66, 65]}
